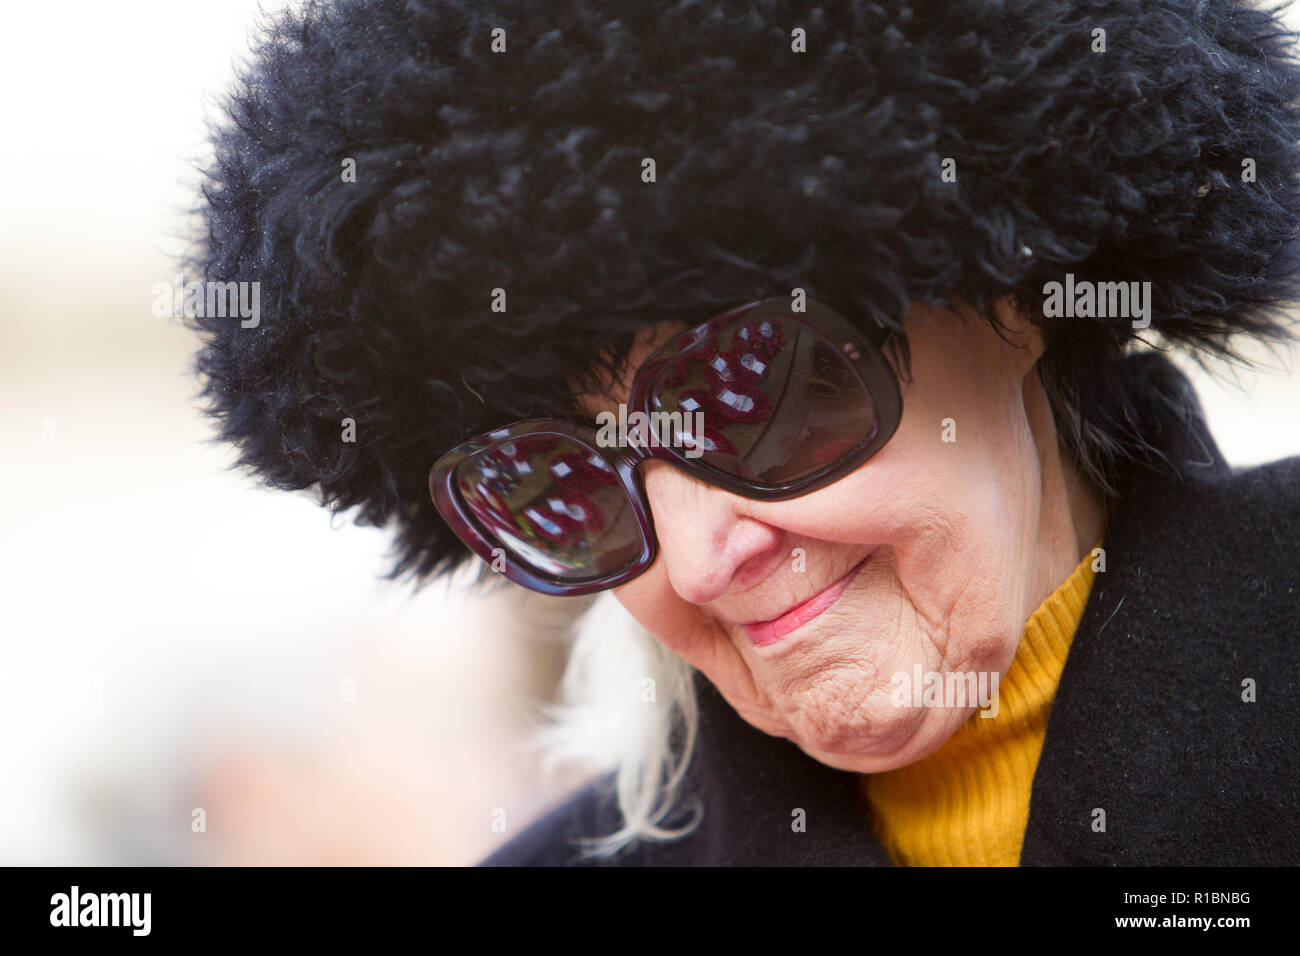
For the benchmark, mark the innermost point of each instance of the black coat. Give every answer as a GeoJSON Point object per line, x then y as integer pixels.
{"type": "Point", "coordinates": [1201, 592]}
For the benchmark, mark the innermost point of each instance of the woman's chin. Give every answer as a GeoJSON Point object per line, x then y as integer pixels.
{"type": "Point", "coordinates": [864, 737]}
{"type": "Point", "coordinates": [876, 757]}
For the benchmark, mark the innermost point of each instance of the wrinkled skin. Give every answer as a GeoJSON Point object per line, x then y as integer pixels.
{"type": "Point", "coordinates": [965, 539]}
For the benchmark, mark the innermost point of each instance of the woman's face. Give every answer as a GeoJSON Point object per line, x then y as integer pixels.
{"type": "Point", "coordinates": [934, 553]}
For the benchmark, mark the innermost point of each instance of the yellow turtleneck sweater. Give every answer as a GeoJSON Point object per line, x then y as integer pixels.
{"type": "Point", "coordinates": [967, 804]}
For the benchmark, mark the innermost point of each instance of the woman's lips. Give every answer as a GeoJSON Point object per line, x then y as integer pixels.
{"type": "Point", "coordinates": [763, 633]}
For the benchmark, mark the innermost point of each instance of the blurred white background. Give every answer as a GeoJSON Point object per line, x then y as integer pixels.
{"type": "Point", "coordinates": [173, 636]}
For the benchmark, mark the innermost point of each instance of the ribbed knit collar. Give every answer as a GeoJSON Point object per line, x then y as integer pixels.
{"type": "Point", "coordinates": [967, 804]}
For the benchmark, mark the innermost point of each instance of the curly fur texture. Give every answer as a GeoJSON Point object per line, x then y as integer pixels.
{"type": "Point", "coordinates": [775, 170]}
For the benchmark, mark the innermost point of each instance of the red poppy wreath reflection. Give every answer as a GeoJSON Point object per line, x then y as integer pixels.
{"type": "Point", "coordinates": [554, 494]}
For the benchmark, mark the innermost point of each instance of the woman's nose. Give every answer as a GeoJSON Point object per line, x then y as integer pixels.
{"type": "Point", "coordinates": [708, 538]}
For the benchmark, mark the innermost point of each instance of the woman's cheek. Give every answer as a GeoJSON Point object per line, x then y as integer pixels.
{"type": "Point", "coordinates": [677, 624]}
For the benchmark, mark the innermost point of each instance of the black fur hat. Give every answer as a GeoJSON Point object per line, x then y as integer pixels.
{"type": "Point", "coordinates": [870, 153]}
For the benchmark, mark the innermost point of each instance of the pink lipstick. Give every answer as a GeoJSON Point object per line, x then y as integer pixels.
{"type": "Point", "coordinates": [763, 633]}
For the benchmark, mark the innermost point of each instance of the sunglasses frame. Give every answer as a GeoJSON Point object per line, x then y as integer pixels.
{"type": "Point", "coordinates": [870, 364]}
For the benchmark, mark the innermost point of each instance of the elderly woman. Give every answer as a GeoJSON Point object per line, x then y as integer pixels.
{"type": "Point", "coordinates": [831, 343]}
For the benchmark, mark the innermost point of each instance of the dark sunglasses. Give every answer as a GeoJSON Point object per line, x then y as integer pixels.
{"type": "Point", "coordinates": [763, 401]}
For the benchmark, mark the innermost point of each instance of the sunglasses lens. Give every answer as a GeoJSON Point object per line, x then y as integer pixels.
{"type": "Point", "coordinates": [553, 503]}
{"type": "Point", "coordinates": [778, 401]}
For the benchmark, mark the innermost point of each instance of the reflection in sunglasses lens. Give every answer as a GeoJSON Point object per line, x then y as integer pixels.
{"type": "Point", "coordinates": [780, 402]}
{"type": "Point", "coordinates": [555, 503]}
